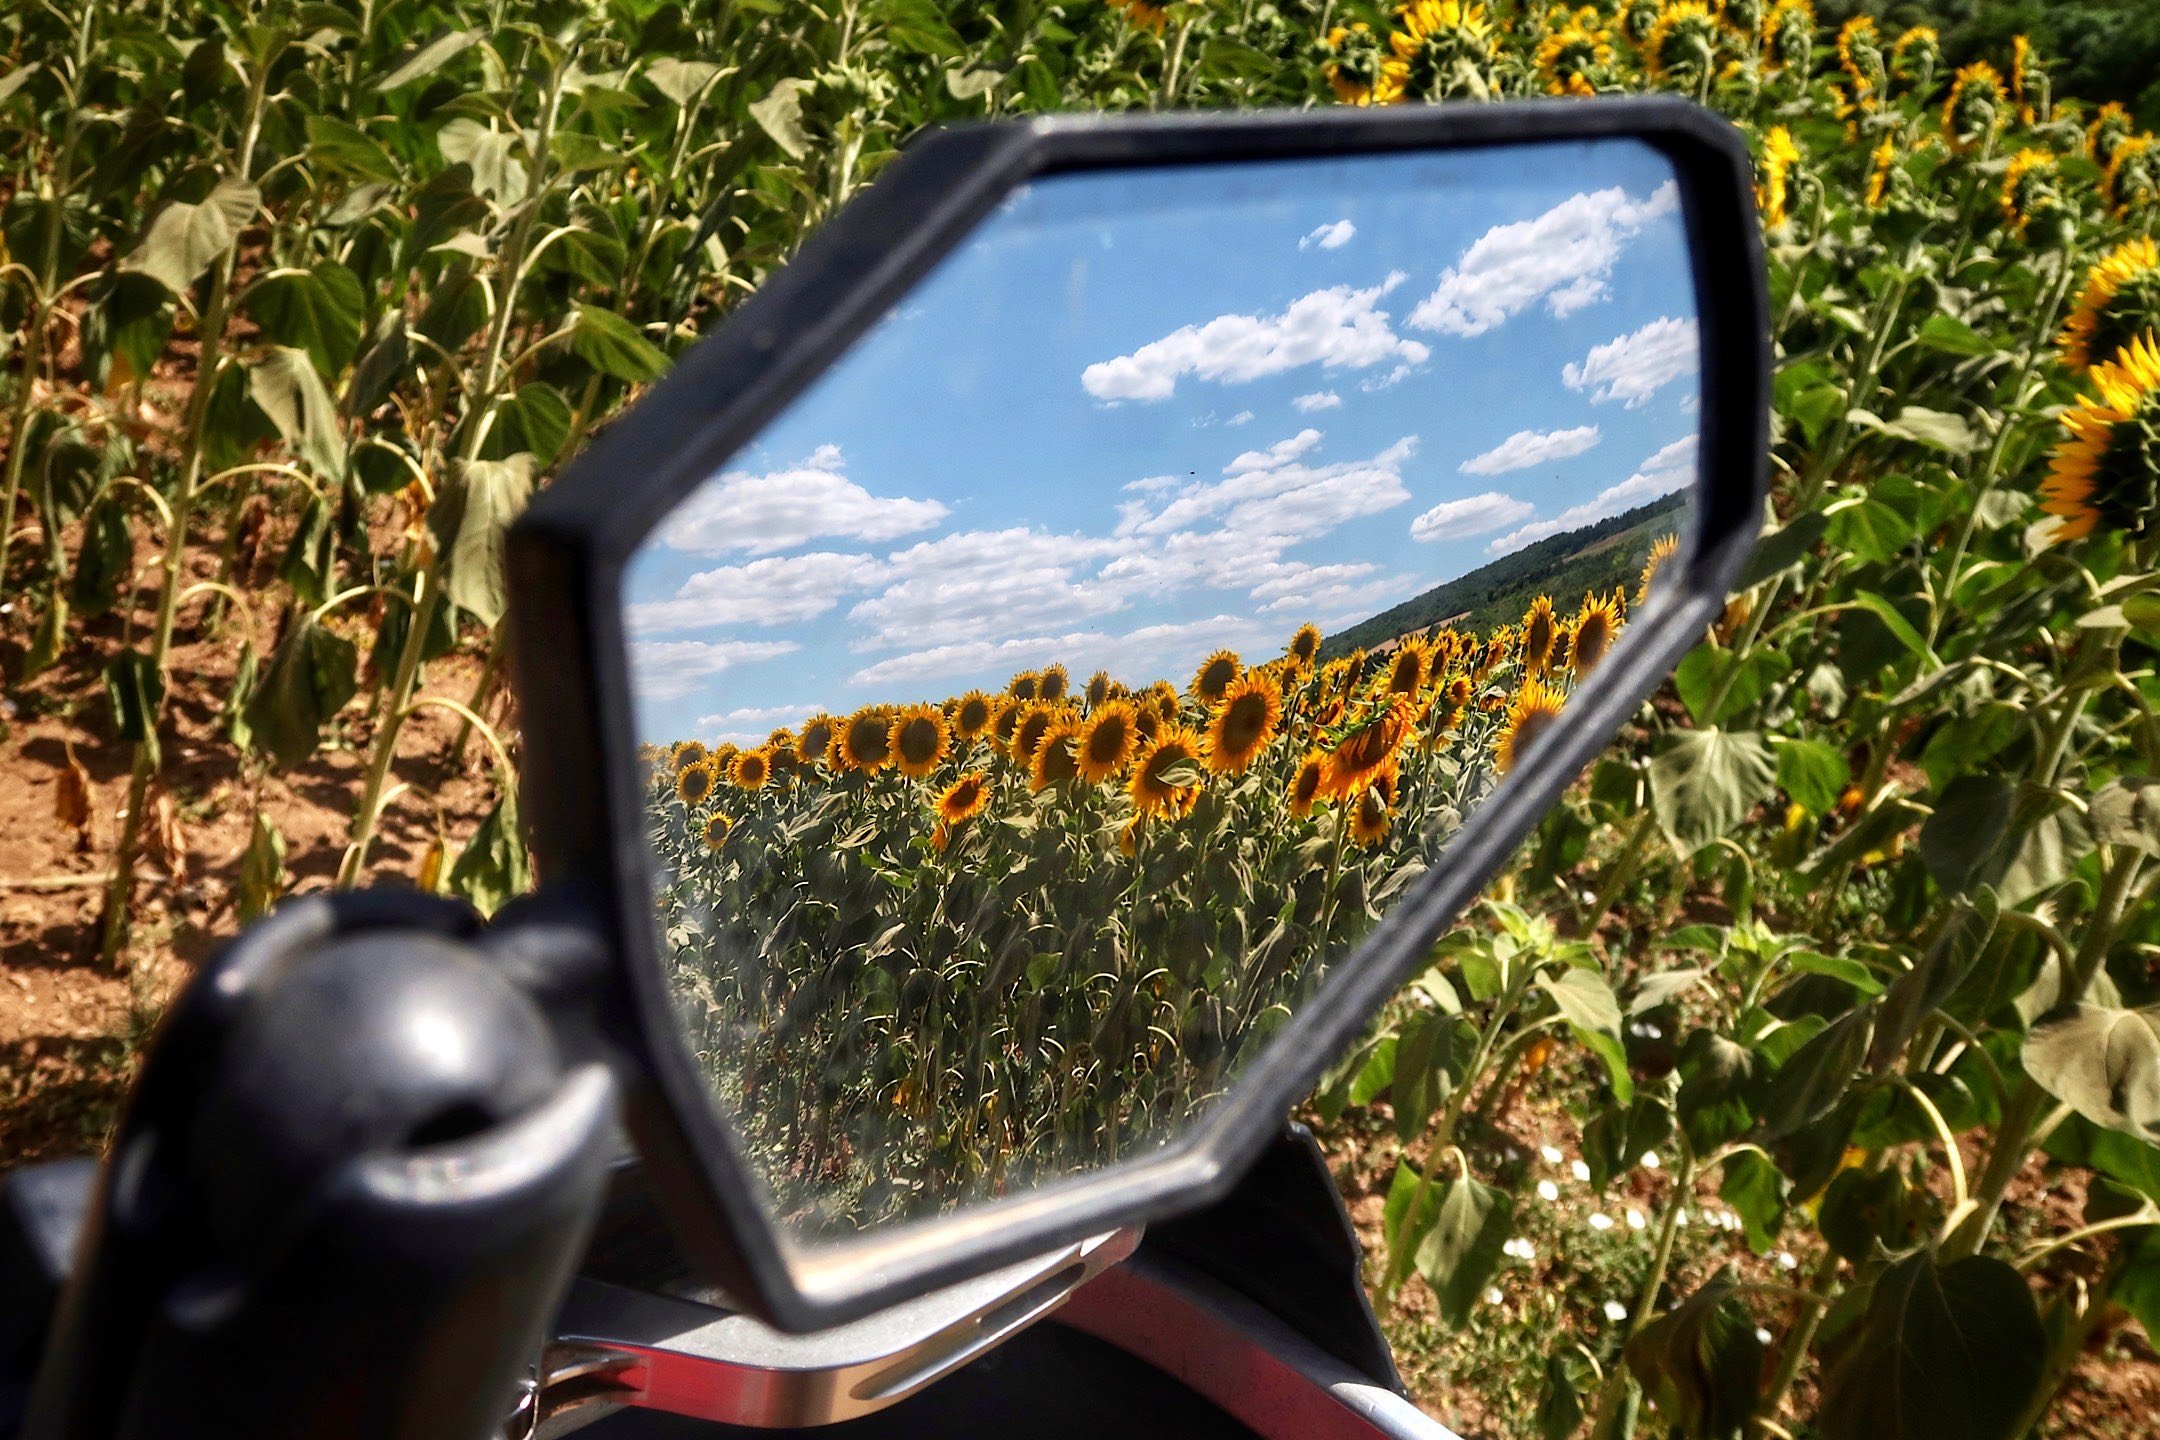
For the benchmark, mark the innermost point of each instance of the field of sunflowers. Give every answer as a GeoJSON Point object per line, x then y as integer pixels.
{"type": "Point", "coordinates": [931, 951]}
{"type": "Point", "coordinates": [1803, 1076]}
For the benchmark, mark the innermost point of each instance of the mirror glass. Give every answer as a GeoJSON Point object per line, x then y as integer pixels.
{"type": "Point", "coordinates": [1040, 704]}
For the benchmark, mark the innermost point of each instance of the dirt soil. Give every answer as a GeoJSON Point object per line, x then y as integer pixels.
{"type": "Point", "coordinates": [69, 1027]}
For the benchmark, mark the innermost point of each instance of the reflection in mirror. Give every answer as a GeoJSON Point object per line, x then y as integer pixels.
{"type": "Point", "coordinates": [1037, 707]}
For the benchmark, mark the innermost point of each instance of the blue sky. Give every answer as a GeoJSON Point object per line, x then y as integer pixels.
{"type": "Point", "coordinates": [1139, 416]}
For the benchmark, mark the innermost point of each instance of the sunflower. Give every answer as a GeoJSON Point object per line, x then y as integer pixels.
{"type": "Point", "coordinates": [1973, 112]}
{"type": "Point", "coordinates": [2027, 78]}
{"type": "Point", "coordinates": [963, 800]}
{"type": "Point", "coordinates": [752, 768]}
{"type": "Point", "coordinates": [1789, 34]}
{"type": "Point", "coordinates": [1024, 686]}
{"type": "Point", "coordinates": [1162, 698]}
{"type": "Point", "coordinates": [1167, 780]}
{"type": "Point", "coordinates": [1099, 688]}
{"type": "Point", "coordinates": [815, 741]}
{"type": "Point", "coordinates": [1305, 644]}
{"type": "Point", "coordinates": [1006, 720]}
{"type": "Point", "coordinates": [1213, 677]}
{"type": "Point", "coordinates": [865, 742]}
{"type": "Point", "coordinates": [1666, 547]}
{"type": "Point", "coordinates": [1353, 67]}
{"type": "Point", "coordinates": [1406, 670]}
{"type": "Point", "coordinates": [1458, 691]}
{"type": "Point", "coordinates": [685, 754]}
{"type": "Point", "coordinates": [1880, 165]}
{"type": "Point", "coordinates": [1595, 626]}
{"type": "Point", "coordinates": [1529, 715]}
{"type": "Point", "coordinates": [1108, 739]}
{"type": "Point", "coordinates": [1638, 18]}
{"type": "Point", "coordinates": [972, 714]}
{"type": "Point", "coordinates": [1148, 14]}
{"type": "Point", "coordinates": [2107, 465]}
{"type": "Point", "coordinates": [1243, 724]}
{"type": "Point", "coordinates": [1540, 631]}
{"type": "Point", "coordinates": [1051, 683]}
{"type": "Point", "coordinates": [1915, 55]}
{"type": "Point", "coordinates": [1057, 758]}
{"type": "Point", "coordinates": [1035, 722]}
{"type": "Point", "coordinates": [1682, 43]}
{"type": "Point", "coordinates": [2120, 301]}
{"type": "Point", "coordinates": [1780, 154]}
{"type": "Point", "coordinates": [1498, 646]}
{"type": "Point", "coordinates": [2028, 191]}
{"type": "Point", "coordinates": [1375, 806]}
{"type": "Point", "coordinates": [1575, 57]}
{"type": "Point", "coordinates": [1309, 784]}
{"type": "Point", "coordinates": [2111, 125]}
{"type": "Point", "coordinates": [1860, 56]}
{"type": "Point", "coordinates": [919, 740]}
{"type": "Point", "coordinates": [1370, 749]}
{"type": "Point", "coordinates": [716, 828]}
{"type": "Point", "coordinates": [2132, 179]}
{"type": "Point", "coordinates": [1439, 48]}
{"type": "Point", "coordinates": [693, 783]}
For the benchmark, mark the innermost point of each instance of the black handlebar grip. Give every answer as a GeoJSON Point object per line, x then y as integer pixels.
{"type": "Point", "coordinates": [351, 1186]}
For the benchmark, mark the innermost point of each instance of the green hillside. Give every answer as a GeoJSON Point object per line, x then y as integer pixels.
{"type": "Point", "coordinates": [1602, 556]}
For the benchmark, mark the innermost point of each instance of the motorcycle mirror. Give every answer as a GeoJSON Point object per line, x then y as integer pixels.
{"type": "Point", "coordinates": [1033, 684]}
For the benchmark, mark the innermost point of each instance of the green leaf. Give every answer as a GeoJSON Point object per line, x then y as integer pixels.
{"type": "Point", "coordinates": [1943, 1352]}
{"type": "Point", "coordinates": [1863, 1209]}
{"type": "Point", "coordinates": [1869, 529]}
{"type": "Point", "coordinates": [1423, 1072]}
{"type": "Point", "coordinates": [1837, 967]}
{"type": "Point", "coordinates": [496, 158]}
{"type": "Point", "coordinates": [1971, 817]}
{"type": "Point", "coordinates": [1808, 1085]}
{"type": "Point", "coordinates": [2136, 1283]}
{"type": "Point", "coordinates": [1953, 336]}
{"type": "Point", "coordinates": [134, 689]}
{"type": "Point", "coordinates": [285, 386]}
{"type": "Point", "coordinates": [779, 115]}
{"type": "Point", "coordinates": [2126, 812]}
{"type": "Point", "coordinates": [1460, 1253]}
{"type": "Point", "coordinates": [1560, 1410]}
{"type": "Point", "coordinates": [494, 867]}
{"type": "Point", "coordinates": [340, 145]}
{"type": "Point", "coordinates": [613, 346]}
{"type": "Point", "coordinates": [310, 677]}
{"type": "Point", "coordinates": [1935, 429]}
{"type": "Point", "coordinates": [1716, 1077]}
{"type": "Point", "coordinates": [262, 869]}
{"type": "Point", "coordinates": [318, 311]}
{"type": "Point", "coordinates": [424, 60]}
{"type": "Point", "coordinates": [1777, 551]}
{"type": "Point", "coordinates": [104, 561]}
{"type": "Point", "coordinates": [1701, 1362]}
{"type": "Point", "coordinates": [2103, 1063]}
{"type": "Point", "coordinates": [1704, 783]}
{"type": "Point", "coordinates": [965, 83]}
{"type": "Point", "coordinates": [1813, 772]}
{"type": "Point", "coordinates": [680, 80]}
{"type": "Point", "coordinates": [1757, 1191]}
{"type": "Point", "coordinates": [1586, 1002]}
{"type": "Point", "coordinates": [468, 521]}
{"type": "Point", "coordinates": [917, 26]}
{"type": "Point", "coordinates": [533, 419]}
{"type": "Point", "coordinates": [184, 238]}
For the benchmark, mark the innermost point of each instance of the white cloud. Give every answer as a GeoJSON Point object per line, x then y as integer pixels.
{"type": "Point", "coordinates": [750, 726]}
{"type": "Point", "coordinates": [662, 670]}
{"type": "Point", "coordinates": [1168, 649]}
{"type": "Point", "coordinates": [1268, 500]}
{"type": "Point", "coordinates": [1318, 400]}
{"type": "Point", "coordinates": [1324, 593]}
{"type": "Point", "coordinates": [1473, 515]}
{"type": "Point", "coordinates": [1636, 366]}
{"type": "Point", "coordinates": [1329, 237]}
{"type": "Point", "coordinates": [1563, 257]}
{"type": "Point", "coordinates": [1526, 448]}
{"type": "Point", "coordinates": [979, 583]}
{"type": "Point", "coordinates": [778, 590]}
{"type": "Point", "coordinates": [1338, 328]}
{"type": "Point", "coordinates": [1243, 417]}
{"type": "Point", "coordinates": [784, 508]}
{"type": "Point", "coordinates": [1671, 468]}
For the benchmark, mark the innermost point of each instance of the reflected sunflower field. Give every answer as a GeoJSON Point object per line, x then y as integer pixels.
{"type": "Point", "coordinates": [934, 950]}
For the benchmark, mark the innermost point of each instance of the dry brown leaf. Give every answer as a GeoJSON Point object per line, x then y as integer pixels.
{"type": "Point", "coordinates": [169, 836]}
{"type": "Point", "coordinates": [73, 798]}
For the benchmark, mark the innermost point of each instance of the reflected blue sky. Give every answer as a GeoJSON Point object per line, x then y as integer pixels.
{"type": "Point", "coordinates": [1141, 415]}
